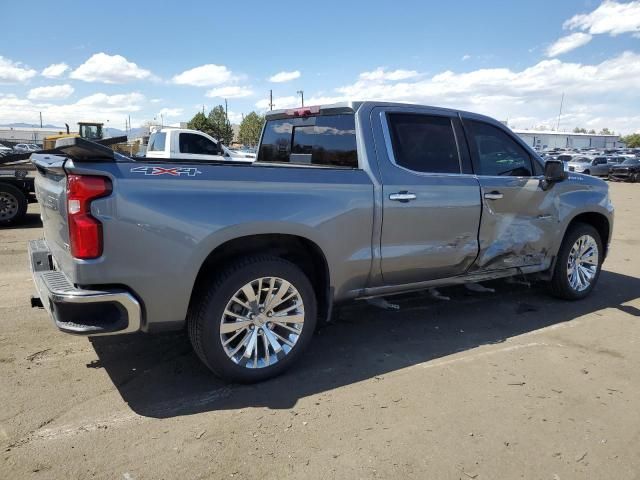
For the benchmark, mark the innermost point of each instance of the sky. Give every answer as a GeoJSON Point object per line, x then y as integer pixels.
{"type": "Point", "coordinates": [168, 60]}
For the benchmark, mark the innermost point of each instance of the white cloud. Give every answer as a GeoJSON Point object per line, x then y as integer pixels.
{"type": "Point", "coordinates": [156, 100]}
{"type": "Point", "coordinates": [97, 107]}
{"type": "Point", "coordinates": [53, 91]}
{"type": "Point", "coordinates": [205, 76]}
{"type": "Point", "coordinates": [380, 74]}
{"type": "Point", "coordinates": [466, 57]}
{"type": "Point", "coordinates": [105, 68]}
{"type": "Point", "coordinates": [55, 70]}
{"type": "Point", "coordinates": [281, 77]}
{"type": "Point", "coordinates": [231, 91]}
{"type": "Point", "coordinates": [171, 112]}
{"type": "Point", "coordinates": [14, 72]}
{"type": "Point", "coordinates": [234, 117]}
{"type": "Point", "coordinates": [610, 17]}
{"type": "Point", "coordinates": [568, 43]}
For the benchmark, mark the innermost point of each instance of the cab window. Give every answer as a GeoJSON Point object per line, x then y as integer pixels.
{"type": "Point", "coordinates": [424, 143]}
{"type": "Point", "coordinates": [496, 153]}
{"type": "Point", "coordinates": [197, 144]}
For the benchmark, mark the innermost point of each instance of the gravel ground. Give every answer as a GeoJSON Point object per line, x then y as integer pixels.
{"type": "Point", "coordinates": [511, 384]}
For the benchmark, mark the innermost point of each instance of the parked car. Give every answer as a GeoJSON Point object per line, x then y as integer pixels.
{"type": "Point", "coordinates": [186, 144]}
{"type": "Point", "coordinates": [629, 170]}
{"type": "Point", "coordinates": [596, 166]}
{"type": "Point", "coordinates": [25, 148]}
{"type": "Point", "coordinates": [346, 201]}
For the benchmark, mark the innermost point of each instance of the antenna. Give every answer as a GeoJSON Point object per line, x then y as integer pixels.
{"type": "Point", "coordinates": [560, 113]}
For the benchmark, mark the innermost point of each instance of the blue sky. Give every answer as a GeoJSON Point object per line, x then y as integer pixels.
{"type": "Point", "coordinates": [510, 60]}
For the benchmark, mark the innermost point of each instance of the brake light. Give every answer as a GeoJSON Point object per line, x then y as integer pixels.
{"type": "Point", "coordinates": [303, 112]}
{"type": "Point", "coordinates": [85, 232]}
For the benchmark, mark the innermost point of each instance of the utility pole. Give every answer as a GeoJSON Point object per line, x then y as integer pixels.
{"type": "Point", "coordinates": [271, 100]}
{"type": "Point", "coordinates": [301, 93]}
{"type": "Point", "coordinates": [560, 112]}
{"type": "Point", "coordinates": [40, 119]}
{"type": "Point", "coordinates": [226, 110]}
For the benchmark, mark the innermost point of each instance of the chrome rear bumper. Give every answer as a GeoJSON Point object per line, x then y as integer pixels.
{"type": "Point", "coordinates": [79, 311]}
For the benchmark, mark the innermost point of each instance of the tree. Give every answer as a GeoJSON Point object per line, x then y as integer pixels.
{"type": "Point", "coordinates": [579, 130]}
{"type": "Point", "coordinates": [200, 122]}
{"type": "Point", "coordinates": [632, 141]}
{"type": "Point", "coordinates": [606, 131]}
{"type": "Point", "coordinates": [250, 129]}
{"type": "Point", "coordinates": [220, 125]}
{"type": "Point", "coordinates": [592, 131]}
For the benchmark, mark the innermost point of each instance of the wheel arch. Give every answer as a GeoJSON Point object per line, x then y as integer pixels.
{"type": "Point", "coordinates": [299, 250]}
{"type": "Point", "coordinates": [598, 221]}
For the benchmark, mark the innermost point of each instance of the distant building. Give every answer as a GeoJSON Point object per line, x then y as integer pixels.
{"type": "Point", "coordinates": [544, 140]}
{"type": "Point", "coordinates": [13, 135]}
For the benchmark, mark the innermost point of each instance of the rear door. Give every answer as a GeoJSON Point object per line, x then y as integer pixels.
{"type": "Point", "coordinates": [518, 216]}
{"type": "Point", "coordinates": [431, 200]}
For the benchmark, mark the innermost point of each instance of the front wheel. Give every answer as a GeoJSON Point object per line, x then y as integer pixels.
{"type": "Point", "coordinates": [578, 264]}
{"type": "Point", "coordinates": [254, 320]}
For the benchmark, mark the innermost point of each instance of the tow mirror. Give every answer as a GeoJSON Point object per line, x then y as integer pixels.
{"type": "Point", "coordinates": [553, 172]}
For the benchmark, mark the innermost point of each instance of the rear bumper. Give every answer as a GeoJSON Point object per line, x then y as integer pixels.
{"type": "Point", "coordinates": [79, 311]}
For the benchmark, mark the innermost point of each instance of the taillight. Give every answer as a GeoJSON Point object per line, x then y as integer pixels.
{"type": "Point", "coordinates": [85, 232]}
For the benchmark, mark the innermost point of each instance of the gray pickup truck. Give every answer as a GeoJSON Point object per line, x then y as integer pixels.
{"type": "Point", "coordinates": [347, 201]}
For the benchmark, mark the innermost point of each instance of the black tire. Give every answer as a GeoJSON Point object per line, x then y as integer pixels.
{"type": "Point", "coordinates": [13, 204]}
{"type": "Point", "coordinates": [560, 286]}
{"type": "Point", "coordinates": [206, 312]}
{"type": "Point", "coordinates": [587, 172]}
{"type": "Point", "coordinates": [635, 177]}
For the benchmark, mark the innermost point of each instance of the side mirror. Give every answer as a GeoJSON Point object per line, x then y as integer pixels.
{"type": "Point", "coordinates": [553, 172]}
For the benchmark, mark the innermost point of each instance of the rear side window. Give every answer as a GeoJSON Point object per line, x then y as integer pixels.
{"type": "Point", "coordinates": [327, 140]}
{"type": "Point", "coordinates": [156, 142]}
{"type": "Point", "coordinates": [497, 153]}
{"type": "Point", "coordinates": [196, 144]}
{"type": "Point", "coordinates": [424, 143]}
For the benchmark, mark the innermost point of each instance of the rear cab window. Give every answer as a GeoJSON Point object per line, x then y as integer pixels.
{"type": "Point", "coordinates": [323, 140]}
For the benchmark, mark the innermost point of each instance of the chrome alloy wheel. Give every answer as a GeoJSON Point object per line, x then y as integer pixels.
{"type": "Point", "coordinates": [262, 322]}
{"type": "Point", "coordinates": [582, 265]}
{"type": "Point", "coordinates": [8, 206]}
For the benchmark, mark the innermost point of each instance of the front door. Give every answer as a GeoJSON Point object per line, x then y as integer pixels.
{"type": "Point", "coordinates": [518, 216]}
{"type": "Point", "coordinates": [430, 208]}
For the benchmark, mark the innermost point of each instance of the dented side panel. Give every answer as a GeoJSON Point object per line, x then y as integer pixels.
{"type": "Point", "coordinates": [518, 229]}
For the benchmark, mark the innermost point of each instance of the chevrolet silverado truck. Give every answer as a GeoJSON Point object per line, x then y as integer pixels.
{"type": "Point", "coordinates": [345, 201]}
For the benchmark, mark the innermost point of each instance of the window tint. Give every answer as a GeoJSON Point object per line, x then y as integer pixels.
{"type": "Point", "coordinates": [328, 140]}
{"type": "Point", "coordinates": [497, 153]}
{"type": "Point", "coordinates": [424, 143]}
{"type": "Point", "coordinates": [197, 144]}
{"type": "Point", "coordinates": [156, 142]}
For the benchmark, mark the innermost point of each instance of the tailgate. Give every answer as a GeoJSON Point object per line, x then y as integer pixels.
{"type": "Point", "coordinates": [51, 191]}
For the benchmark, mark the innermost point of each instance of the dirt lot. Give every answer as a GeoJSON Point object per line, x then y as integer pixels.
{"type": "Point", "coordinates": [511, 384]}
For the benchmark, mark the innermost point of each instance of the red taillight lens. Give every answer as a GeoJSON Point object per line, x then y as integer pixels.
{"type": "Point", "coordinates": [85, 232]}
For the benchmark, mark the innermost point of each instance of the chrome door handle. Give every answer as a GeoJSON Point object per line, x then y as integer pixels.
{"type": "Point", "coordinates": [402, 196]}
{"type": "Point", "coordinates": [493, 195]}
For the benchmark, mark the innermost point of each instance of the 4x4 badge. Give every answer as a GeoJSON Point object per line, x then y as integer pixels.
{"type": "Point", "coordinates": [173, 171]}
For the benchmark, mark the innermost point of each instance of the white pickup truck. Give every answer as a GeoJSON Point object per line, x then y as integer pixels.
{"type": "Point", "coordinates": [186, 144]}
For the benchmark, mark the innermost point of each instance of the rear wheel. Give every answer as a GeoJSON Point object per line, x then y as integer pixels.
{"type": "Point", "coordinates": [587, 172]}
{"type": "Point", "coordinates": [13, 204]}
{"type": "Point", "coordinates": [635, 177]}
{"type": "Point", "coordinates": [578, 264]}
{"type": "Point", "coordinates": [254, 320]}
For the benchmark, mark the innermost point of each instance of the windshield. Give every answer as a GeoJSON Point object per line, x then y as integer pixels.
{"type": "Point", "coordinates": [631, 161]}
{"type": "Point", "coordinates": [582, 160]}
